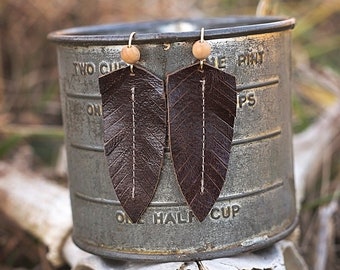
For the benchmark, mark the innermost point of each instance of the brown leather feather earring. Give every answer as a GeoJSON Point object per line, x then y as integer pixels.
{"type": "Point", "coordinates": [134, 119]}
{"type": "Point", "coordinates": [201, 113]}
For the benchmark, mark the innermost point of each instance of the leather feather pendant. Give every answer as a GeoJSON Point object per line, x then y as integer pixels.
{"type": "Point", "coordinates": [202, 109]}
{"type": "Point", "coordinates": [134, 117]}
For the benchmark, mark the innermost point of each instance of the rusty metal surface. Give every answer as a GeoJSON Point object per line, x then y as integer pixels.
{"type": "Point", "coordinates": [256, 206]}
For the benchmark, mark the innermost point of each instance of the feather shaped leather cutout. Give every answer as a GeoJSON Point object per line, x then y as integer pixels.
{"type": "Point", "coordinates": [134, 118]}
{"type": "Point", "coordinates": [202, 109]}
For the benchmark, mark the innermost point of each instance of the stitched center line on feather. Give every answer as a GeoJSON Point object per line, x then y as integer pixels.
{"type": "Point", "coordinates": [133, 143]}
{"type": "Point", "coordinates": [203, 135]}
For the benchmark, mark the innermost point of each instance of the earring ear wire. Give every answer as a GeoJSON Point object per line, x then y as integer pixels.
{"type": "Point", "coordinates": [130, 39]}
{"type": "Point", "coordinates": [130, 53]}
{"type": "Point", "coordinates": [201, 49]}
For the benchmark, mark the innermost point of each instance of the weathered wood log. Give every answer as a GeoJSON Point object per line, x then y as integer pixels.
{"type": "Point", "coordinates": [39, 206]}
{"type": "Point", "coordinates": [325, 234]}
{"type": "Point", "coordinates": [309, 146]}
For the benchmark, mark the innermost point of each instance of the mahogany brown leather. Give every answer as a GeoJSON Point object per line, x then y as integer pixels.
{"type": "Point", "coordinates": [134, 135]}
{"type": "Point", "coordinates": [185, 106]}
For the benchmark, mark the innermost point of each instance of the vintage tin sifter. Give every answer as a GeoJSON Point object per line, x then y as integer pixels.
{"type": "Point", "coordinates": [256, 205]}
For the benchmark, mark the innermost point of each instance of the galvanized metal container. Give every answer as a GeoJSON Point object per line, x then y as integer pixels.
{"type": "Point", "coordinates": [256, 206]}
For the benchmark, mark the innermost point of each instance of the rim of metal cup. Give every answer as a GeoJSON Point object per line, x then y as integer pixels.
{"type": "Point", "coordinates": [171, 30]}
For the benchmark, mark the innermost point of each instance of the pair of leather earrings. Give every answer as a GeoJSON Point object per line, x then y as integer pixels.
{"type": "Point", "coordinates": [200, 101]}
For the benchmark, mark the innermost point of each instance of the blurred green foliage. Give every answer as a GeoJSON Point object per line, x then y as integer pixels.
{"type": "Point", "coordinates": [8, 143]}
